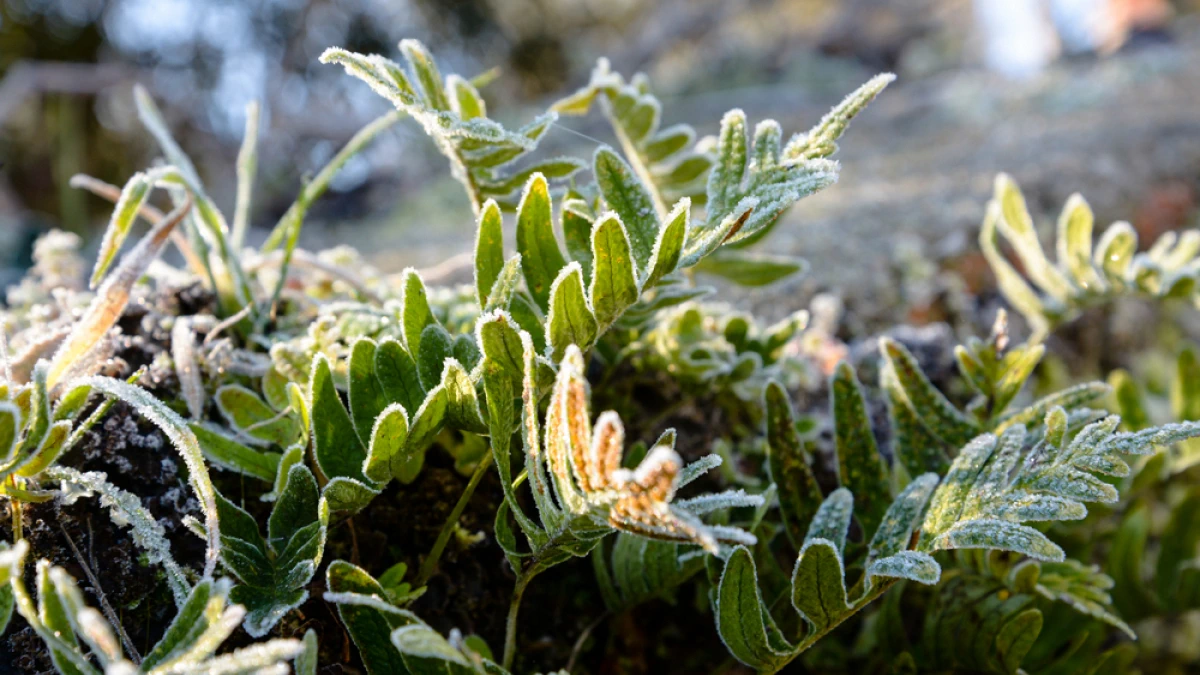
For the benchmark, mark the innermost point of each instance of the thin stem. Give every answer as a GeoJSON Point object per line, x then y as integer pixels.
{"type": "Point", "coordinates": [14, 505]}
{"type": "Point", "coordinates": [429, 565]}
{"type": "Point", "coordinates": [100, 597]}
{"type": "Point", "coordinates": [514, 608]}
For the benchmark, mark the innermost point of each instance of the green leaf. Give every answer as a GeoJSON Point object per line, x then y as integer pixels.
{"type": "Point", "coordinates": [799, 494]}
{"type": "Point", "coordinates": [489, 251]}
{"type": "Point", "coordinates": [426, 424]}
{"type": "Point", "coordinates": [1012, 285]}
{"type": "Point", "coordinates": [577, 230]}
{"type": "Point", "coordinates": [861, 468]}
{"type": "Point", "coordinates": [10, 426]}
{"type": "Point", "coordinates": [725, 180]}
{"type": "Point", "coordinates": [819, 585]}
{"type": "Point", "coordinates": [902, 518]}
{"type": "Point", "coordinates": [366, 395]}
{"type": "Point", "coordinates": [908, 383]}
{"type": "Point", "coordinates": [275, 572]}
{"type": "Point", "coordinates": [558, 168]}
{"type": "Point", "coordinates": [502, 345]}
{"type": "Point", "coordinates": [307, 660]}
{"type": "Point", "coordinates": [385, 456]}
{"type": "Point", "coordinates": [421, 641]}
{"type": "Point", "coordinates": [415, 310]}
{"type": "Point", "coordinates": [571, 321]}
{"type": "Point", "coordinates": [505, 288]}
{"type": "Point", "coordinates": [349, 494]}
{"type": "Point", "coordinates": [832, 519]}
{"type": "Point", "coordinates": [750, 269]}
{"type": "Point", "coordinates": [526, 316]}
{"type": "Point", "coordinates": [541, 258]}
{"type": "Point", "coordinates": [743, 622]}
{"type": "Point", "coordinates": [133, 196]}
{"type": "Point", "coordinates": [462, 403]}
{"type": "Point", "coordinates": [820, 140]}
{"type": "Point", "coordinates": [336, 447]}
{"type": "Point", "coordinates": [614, 286]}
{"type": "Point", "coordinates": [464, 98]}
{"type": "Point", "coordinates": [254, 420]}
{"type": "Point", "coordinates": [668, 247]}
{"type": "Point", "coordinates": [229, 454]}
{"type": "Point", "coordinates": [436, 347]}
{"type": "Point", "coordinates": [625, 194]}
{"type": "Point", "coordinates": [53, 444]}
{"type": "Point", "coordinates": [367, 617]}
{"type": "Point", "coordinates": [398, 376]}
{"type": "Point", "coordinates": [1075, 242]}
{"type": "Point", "coordinates": [192, 619]}
{"type": "Point", "coordinates": [428, 77]}
{"type": "Point", "coordinates": [1017, 226]}
{"type": "Point", "coordinates": [913, 565]}
{"type": "Point", "coordinates": [53, 615]}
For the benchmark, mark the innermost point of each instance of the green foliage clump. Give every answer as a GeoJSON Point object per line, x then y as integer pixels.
{"type": "Point", "coordinates": [927, 531]}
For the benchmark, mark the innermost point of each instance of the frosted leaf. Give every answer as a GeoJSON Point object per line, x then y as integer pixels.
{"type": "Point", "coordinates": [126, 510]}
{"type": "Point", "coordinates": [185, 443]}
{"type": "Point", "coordinates": [914, 565]}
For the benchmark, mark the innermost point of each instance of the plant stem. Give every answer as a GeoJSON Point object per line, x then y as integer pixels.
{"type": "Point", "coordinates": [514, 608]}
{"type": "Point", "coordinates": [429, 566]}
{"type": "Point", "coordinates": [14, 505]}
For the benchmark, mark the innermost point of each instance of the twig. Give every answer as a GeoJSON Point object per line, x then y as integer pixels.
{"type": "Point", "coordinates": [107, 608]}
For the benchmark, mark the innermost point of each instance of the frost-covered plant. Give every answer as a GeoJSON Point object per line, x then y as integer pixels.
{"type": "Point", "coordinates": [81, 640]}
{"type": "Point", "coordinates": [1049, 293]}
{"type": "Point", "coordinates": [329, 390]}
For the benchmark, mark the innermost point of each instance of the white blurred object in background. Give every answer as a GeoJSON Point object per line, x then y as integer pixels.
{"type": "Point", "coordinates": [1020, 37]}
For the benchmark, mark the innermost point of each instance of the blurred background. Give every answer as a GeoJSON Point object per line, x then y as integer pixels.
{"type": "Point", "coordinates": [1096, 96]}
